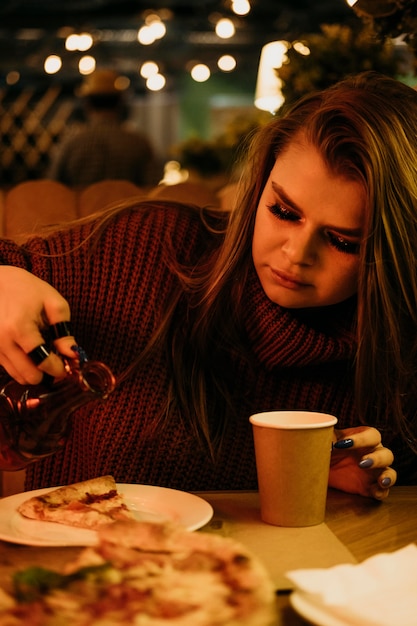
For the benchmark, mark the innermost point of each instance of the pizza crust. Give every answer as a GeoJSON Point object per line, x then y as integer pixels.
{"type": "Point", "coordinates": [87, 504]}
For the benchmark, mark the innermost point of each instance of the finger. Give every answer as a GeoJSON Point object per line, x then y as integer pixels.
{"type": "Point", "coordinates": [18, 365]}
{"type": "Point", "coordinates": [380, 457]}
{"type": "Point", "coordinates": [34, 359]}
{"type": "Point", "coordinates": [57, 316]}
{"type": "Point", "coordinates": [61, 329]}
{"type": "Point", "coordinates": [362, 437]}
{"type": "Point", "coordinates": [61, 334]}
{"type": "Point", "coordinates": [15, 373]}
{"type": "Point", "coordinates": [51, 365]}
{"type": "Point", "coordinates": [387, 478]}
{"type": "Point", "coordinates": [379, 493]}
{"type": "Point", "coordinates": [63, 337]}
{"type": "Point", "coordinates": [65, 346]}
{"type": "Point", "coordinates": [385, 481]}
{"type": "Point", "coordinates": [39, 354]}
{"type": "Point", "coordinates": [56, 310]}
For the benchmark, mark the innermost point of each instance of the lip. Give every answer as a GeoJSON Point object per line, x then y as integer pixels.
{"type": "Point", "coordinates": [288, 280]}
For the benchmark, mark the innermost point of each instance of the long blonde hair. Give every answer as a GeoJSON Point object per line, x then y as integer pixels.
{"type": "Point", "coordinates": [365, 127]}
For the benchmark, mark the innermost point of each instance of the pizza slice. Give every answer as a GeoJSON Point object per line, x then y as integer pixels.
{"type": "Point", "coordinates": [157, 574]}
{"type": "Point", "coordinates": [88, 504]}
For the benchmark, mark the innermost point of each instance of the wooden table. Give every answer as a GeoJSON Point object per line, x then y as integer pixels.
{"type": "Point", "coordinates": [355, 528]}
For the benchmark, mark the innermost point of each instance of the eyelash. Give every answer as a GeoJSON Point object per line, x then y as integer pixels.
{"type": "Point", "coordinates": [283, 213]}
{"type": "Point", "coordinates": [337, 242]}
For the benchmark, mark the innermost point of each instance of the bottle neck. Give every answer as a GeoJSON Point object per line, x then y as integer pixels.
{"type": "Point", "coordinates": [94, 377]}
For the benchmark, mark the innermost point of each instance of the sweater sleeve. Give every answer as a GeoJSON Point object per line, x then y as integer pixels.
{"type": "Point", "coordinates": [118, 283]}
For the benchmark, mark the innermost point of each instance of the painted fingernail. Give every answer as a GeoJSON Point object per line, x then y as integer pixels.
{"type": "Point", "coordinates": [343, 443]}
{"type": "Point", "coordinates": [385, 482]}
{"type": "Point", "coordinates": [81, 353]}
{"type": "Point", "coordinates": [366, 463]}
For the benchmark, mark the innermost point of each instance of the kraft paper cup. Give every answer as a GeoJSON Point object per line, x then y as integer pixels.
{"type": "Point", "coordinates": [292, 450]}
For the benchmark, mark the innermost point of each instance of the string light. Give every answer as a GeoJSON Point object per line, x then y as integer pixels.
{"type": "Point", "coordinates": [53, 64]}
{"type": "Point", "coordinates": [85, 41]}
{"type": "Point", "coordinates": [225, 29]}
{"type": "Point", "coordinates": [81, 42]}
{"type": "Point", "coordinates": [146, 36]}
{"type": "Point", "coordinates": [157, 27]}
{"type": "Point", "coordinates": [153, 29]}
{"type": "Point", "coordinates": [86, 65]}
{"type": "Point", "coordinates": [301, 48]}
{"type": "Point", "coordinates": [241, 7]}
{"type": "Point", "coordinates": [226, 63]}
{"type": "Point", "coordinates": [200, 73]}
{"type": "Point", "coordinates": [149, 68]}
{"type": "Point", "coordinates": [156, 82]}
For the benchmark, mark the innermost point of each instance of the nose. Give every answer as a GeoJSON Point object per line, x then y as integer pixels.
{"type": "Point", "coordinates": [300, 247]}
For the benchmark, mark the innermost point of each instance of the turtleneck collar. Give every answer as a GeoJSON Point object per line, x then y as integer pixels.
{"type": "Point", "coordinates": [296, 338]}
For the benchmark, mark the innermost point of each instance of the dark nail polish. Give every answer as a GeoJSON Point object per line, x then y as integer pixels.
{"type": "Point", "coordinates": [366, 463]}
{"type": "Point", "coordinates": [343, 443]}
{"type": "Point", "coordinates": [385, 482]}
{"type": "Point", "coordinates": [81, 353]}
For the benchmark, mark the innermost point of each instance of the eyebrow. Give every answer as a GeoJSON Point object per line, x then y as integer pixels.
{"type": "Point", "coordinates": [353, 232]}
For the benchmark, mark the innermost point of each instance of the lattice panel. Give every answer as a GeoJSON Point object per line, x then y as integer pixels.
{"type": "Point", "coordinates": [31, 121]}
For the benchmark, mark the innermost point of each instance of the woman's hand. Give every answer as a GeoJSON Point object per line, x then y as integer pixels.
{"type": "Point", "coordinates": [28, 306]}
{"type": "Point", "coordinates": [360, 463]}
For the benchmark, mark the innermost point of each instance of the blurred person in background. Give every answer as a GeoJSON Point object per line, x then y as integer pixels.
{"type": "Point", "coordinates": [105, 148]}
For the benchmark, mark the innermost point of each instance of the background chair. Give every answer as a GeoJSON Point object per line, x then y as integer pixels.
{"type": "Point", "coordinates": [34, 204]}
{"type": "Point", "coordinates": [98, 195]}
{"type": "Point", "coordinates": [187, 192]}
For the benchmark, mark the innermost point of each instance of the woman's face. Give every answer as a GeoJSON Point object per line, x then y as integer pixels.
{"type": "Point", "coordinates": [308, 228]}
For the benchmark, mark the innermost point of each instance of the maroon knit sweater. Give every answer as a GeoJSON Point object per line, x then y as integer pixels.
{"type": "Point", "coordinates": [115, 296]}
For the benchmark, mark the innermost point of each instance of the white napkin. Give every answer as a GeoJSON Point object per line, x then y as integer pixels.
{"type": "Point", "coordinates": [381, 591]}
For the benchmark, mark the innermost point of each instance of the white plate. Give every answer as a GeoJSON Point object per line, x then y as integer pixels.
{"type": "Point", "coordinates": [315, 613]}
{"type": "Point", "coordinates": [147, 502]}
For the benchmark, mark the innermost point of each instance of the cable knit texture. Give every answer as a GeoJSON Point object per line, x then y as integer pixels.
{"type": "Point", "coordinates": [116, 296]}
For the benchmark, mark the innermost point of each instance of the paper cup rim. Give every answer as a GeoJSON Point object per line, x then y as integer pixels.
{"type": "Point", "coordinates": [268, 419]}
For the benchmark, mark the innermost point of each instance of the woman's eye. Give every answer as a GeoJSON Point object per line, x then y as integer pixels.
{"type": "Point", "coordinates": [341, 244]}
{"type": "Point", "coordinates": [283, 213]}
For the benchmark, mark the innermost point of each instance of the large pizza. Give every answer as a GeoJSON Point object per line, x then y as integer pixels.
{"type": "Point", "coordinates": [146, 574]}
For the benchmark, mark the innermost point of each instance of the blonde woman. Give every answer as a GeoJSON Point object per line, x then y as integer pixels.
{"type": "Point", "coordinates": [304, 297]}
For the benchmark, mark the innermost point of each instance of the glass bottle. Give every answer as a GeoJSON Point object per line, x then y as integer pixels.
{"type": "Point", "coordinates": [35, 420]}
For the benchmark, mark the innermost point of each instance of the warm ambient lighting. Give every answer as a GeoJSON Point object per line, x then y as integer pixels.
{"type": "Point", "coordinates": [122, 83]}
{"type": "Point", "coordinates": [301, 48]}
{"type": "Point", "coordinates": [149, 68]}
{"type": "Point", "coordinates": [81, 42]}
{"type": "Point", "coordinates": [268, 94]}
{"type": "Point", "coordinates": [86, 65]}
{"type": "Point", "coordinates": [154, 29]}
{"type": "Point", "coordinates": [225, 28]}
{"type": "Point", "coordinates": [52, 64]}
{"type": "Point", "coordinates": [156, 82]}
{"type": "Point", "coordinates": [200, 73]}
{"type": "Point", "coordinates": [12, 77]}
{"type": "Point", "coordinates": [226, 63]}
{"type": "Point", "coordinates": [240, 7]}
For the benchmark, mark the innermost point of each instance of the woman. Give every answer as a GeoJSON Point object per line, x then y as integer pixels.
{"type": "Point", "coordinates": [304, 299]}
